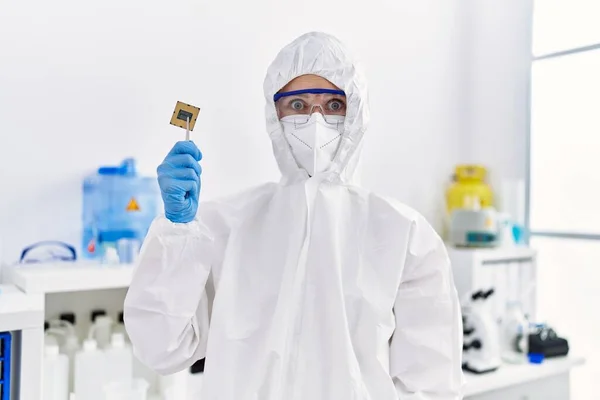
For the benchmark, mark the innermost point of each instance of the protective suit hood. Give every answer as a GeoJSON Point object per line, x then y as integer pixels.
{"type": "Point", "coordinates": [323, 55]}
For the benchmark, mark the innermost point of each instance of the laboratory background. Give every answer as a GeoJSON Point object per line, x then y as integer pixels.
{"type": "Point", "coordinates": [484, 119]}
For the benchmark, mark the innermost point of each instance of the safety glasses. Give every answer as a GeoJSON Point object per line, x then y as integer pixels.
{"type": "Point", "coordinates": [303, 103]}
{"type": "Point", "coordinates": [50, 251]}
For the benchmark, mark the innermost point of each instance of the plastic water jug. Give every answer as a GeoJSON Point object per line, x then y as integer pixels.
{"type": "Point", "coordinates": [118, 207]}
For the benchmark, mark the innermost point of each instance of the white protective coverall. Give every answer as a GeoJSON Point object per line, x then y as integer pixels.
{"type": "Point", "coordinates": [318, 289]}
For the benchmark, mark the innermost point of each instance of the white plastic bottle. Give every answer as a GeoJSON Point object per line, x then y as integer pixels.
{"type": "Point", "coordinates": [56, 374]}
{"type": "Point", "coordinates": [111, 256]}
{"type": "Point", "coordinates": [119, 360]}
{"type": "Point", "coordinates": [140, 371]}
{"type": "Point", "coordinates": [90, 372]}
{"type": "Point", "coordinates": [119, 327]}
{"type": "Point", "coordinates": [174, 386]}
{"type": "Point", "coordinates": [69, 346]}
{"type": "Point", "coordinates": [101, 330]}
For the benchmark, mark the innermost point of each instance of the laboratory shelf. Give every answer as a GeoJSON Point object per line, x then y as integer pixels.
{"type": "Point", "coordinates": [496, 255]}
{"type": "Point", "coordinates": [510, 375]}
{"type": "Point", "coordinates": [19, 310]}
{"type": "Point", "coordinates": [69, 276]}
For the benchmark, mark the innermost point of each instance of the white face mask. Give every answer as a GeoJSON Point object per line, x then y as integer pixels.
{"type": "Point", "coordinates": [314, 143]}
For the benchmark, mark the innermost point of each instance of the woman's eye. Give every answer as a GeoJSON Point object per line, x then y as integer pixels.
{"type": "Point", "coordinates": [297, 105]}
{"type": "Point", "coordinates": [336, 105]}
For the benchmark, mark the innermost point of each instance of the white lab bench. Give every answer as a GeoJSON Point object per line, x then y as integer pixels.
{"type": "Point", "coordinates": [23, 305]}
{"type": "Point", "coordinates": [512, 273]}
{"type": "Point", "coordinates": [68, 277]}
{"type": "Point", "coordinates": [546, 381]}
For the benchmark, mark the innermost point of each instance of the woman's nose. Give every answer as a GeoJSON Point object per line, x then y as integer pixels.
{"type": "Point", "coordinates": [316, 108]}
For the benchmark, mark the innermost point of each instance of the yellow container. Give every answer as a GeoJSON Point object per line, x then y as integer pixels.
{"type": "Point", "coordinates": [469, 188]}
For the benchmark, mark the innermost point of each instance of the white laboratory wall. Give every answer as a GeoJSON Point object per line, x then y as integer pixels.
{"type": "Point", "coordinates": [88, 83]}
{"type": "Point", "coordinates": [496, 75]}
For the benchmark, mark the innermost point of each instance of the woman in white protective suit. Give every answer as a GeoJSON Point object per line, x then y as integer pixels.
{"type": "Point", "coordinates": [310, 288]}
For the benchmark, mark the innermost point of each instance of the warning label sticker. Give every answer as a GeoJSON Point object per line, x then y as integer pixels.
{"type": "Point", "coordinates": [133, 205]}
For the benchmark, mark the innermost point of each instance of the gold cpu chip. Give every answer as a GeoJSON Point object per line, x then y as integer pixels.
{"type": "Point", "coordinates": [182, 113]}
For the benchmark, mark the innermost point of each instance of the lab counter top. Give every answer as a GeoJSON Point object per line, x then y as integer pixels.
{"type": "Point", "coordinates": [507, 376]}
{"type": "Point", "coordinates": [512, 375]}
{"type": "Point", "coordinates": [68, 276]}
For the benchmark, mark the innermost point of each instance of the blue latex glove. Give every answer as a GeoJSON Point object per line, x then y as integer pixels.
{"type": "Point", "coordinates": [179, 181]}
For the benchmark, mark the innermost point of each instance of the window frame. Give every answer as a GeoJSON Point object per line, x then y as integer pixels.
{"type": "Point", "coordinates": [529, 233]}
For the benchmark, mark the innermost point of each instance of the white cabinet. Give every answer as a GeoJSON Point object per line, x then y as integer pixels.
{"type": "Point", "coordinates": [23, 304]}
